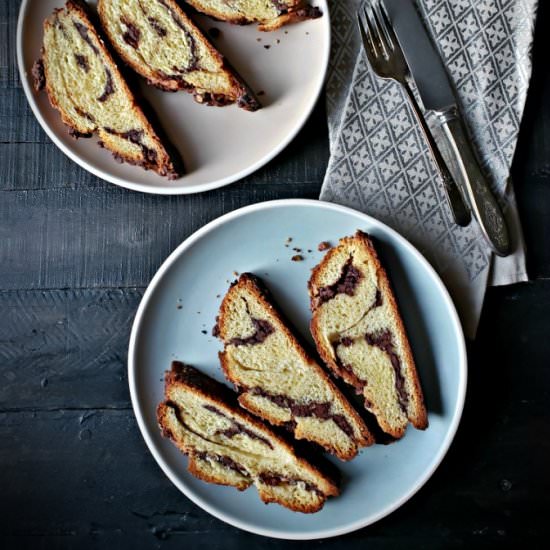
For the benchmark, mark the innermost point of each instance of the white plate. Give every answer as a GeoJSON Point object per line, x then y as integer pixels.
{"type": "Point", "coordinates": [183, 299]}
{"type": "Point", "coordinates": [219, 145]}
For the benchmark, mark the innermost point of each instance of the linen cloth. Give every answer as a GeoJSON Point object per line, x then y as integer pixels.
{"type": "Point", "coordinates": [379, 161]}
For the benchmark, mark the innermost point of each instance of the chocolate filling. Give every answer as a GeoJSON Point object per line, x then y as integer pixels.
{"type": "Point", "coordinates": [83, 32]}
{"type": "Point", "coordinates": [193, 58]}
{"type": "Point", "coordinates": [248, 102]}
{"type": "Point", "coordinates": [76, 134]}
{"type": "Point", "coordinates": [62, 28]}
{"type": "Point", "coordinates": [136, 136]}
{"type": "Point", "coordinates": [236, 428]}
{"type": "Point", "coordinates": [309, 12]}
{"type": "Point", "coordinates": [273, 479]}
{"type": "Point", "coordinates": [109, 86]}
{"type": "Point", "coordinates": [317, 410]}
{"type": "Point", "coordinates": [39, 75]}
{"type": "Point", "coordinates": [82, 61]}
{"type": "Point", "coordinates": [262, 330]}
{"type": "Point", "coordinates": [84, 114]}
{"type": "Point", "coordinates": [157, 27]}
{"type": "Point", "coordinates": [280, 6]}
{"type": "Point", "coordinates": [218, 100]}
{"type": "Point", "coordinates": [132, 34]}
{"type": "Point", "coordinates": [347, 341]}
{"type": "Point", "coordinates": [383, 340]}
{"type": "Point", "coordinates": [224, 461]}
{"type": "Point", "coordinates": [346, 284]}
{"type": "Point", "coordinates": [216, 328]}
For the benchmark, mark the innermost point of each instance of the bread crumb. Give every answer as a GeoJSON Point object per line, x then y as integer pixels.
{"type": "Point", "coordinates": [179, 306]}
{"type": "Point", "coordinates": [204, 331]}
{"type": "Point", "coordinates": [297, 249]}
{"type": "Point", "coordinates": [236, 273]}
{"type": "Point", "coordinates": [297, 258]}
{"type": "Point", "coordinates": [325, 245]}
{"type": "Point", "coordinates": [267, 46]}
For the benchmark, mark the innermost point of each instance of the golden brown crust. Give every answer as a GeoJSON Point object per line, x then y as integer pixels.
{"type": "Point", "coordinates": [241, 93]}
{"type": "Point", "coordinates": [419, 418]}
{"type": "Point", "coordinates": [296, 10]}
{"type": "Point", "coordinates": [165, 165]}
{"type": "Point", "coordinates": [194, 469]}
{"type": "Point", "coordinates": [254, 285]}
{"type": "Point", "coordinates": [224, 400]}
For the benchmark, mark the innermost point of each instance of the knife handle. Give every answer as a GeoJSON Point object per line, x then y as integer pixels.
{"type": "Point", "coordinates": [459, 211]}
{"type": "Point", "coordinates": [482, 201]}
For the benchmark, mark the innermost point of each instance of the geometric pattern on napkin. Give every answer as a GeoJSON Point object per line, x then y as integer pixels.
{"type": "Point", "coordinates": [379, 161]}
{"type": "Point", "coordinates": [343, 55]}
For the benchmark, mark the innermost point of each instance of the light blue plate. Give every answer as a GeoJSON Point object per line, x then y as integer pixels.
{"type": "Point", "coordinates": [182, 302]}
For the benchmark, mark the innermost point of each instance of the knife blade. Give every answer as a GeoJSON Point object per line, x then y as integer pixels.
{"type": "Point", "coordinates": [437, 95]}
{"type": "Point", "coordinates": [424, 61]}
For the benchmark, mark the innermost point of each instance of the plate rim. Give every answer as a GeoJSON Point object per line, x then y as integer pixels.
{"type": "Point", "coordinates": [244, 525]}
{"type": "Point", "coordinates": [166, 189]}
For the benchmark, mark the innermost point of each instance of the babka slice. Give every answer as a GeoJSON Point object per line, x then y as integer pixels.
{"type": "Point", "coordinates": [85, 86]}
{"type": "Point", "coordinates": [228, 446]}
{"type": "Point", "coordinates": [160, 42]}
{"type": "Point", "coordinates": [360, 335]}
{"type": "Point", "coordinates": [277, 379]}
{"type": "Point", "coordinates": [269, 14]}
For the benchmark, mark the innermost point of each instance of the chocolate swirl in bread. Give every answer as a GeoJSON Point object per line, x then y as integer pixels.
{"type": "Point", "coordinates": [277, 379]}
{"type": "Point", "coordinates": [227, 446]}
{"type": "Point", "coordinates": [360, 335]}
{"type": "Point", "coordinates": [270, 14]}
{"type": "Point", "coordinates": [84, 84]}
{"type": "Point", "coordinates": [162, 44]}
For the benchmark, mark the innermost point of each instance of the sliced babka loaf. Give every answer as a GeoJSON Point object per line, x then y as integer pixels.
{"type": "Point", "coordinates": [277, 379]}
{"type": "Point", "coordinates": [270, 14]}
{"type": "Point", "coordinates": [228, 446]}
{"type": "Point", "coordinates": [160, 42]}
{"type": "Point", "coordinates": [360, 335]}
{"type": "Point", "coordinates": [85, 86]}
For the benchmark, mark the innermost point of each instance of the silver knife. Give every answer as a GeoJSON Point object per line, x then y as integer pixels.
{"type": "Point", "coordinates": [437, 95]}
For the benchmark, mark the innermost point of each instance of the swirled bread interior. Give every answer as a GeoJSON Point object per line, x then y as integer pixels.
{"type": "Point", "coordinates": [227, 446]}
{"type": "Point", "coordinates": [360, 335]}
{"type": "Point", "coordinates": [161, 43]}
{"type": "Point", "coordinates": [269, 14]}
{"type": "Point", "coordinates": [277, 379]}
{"type": "Point", "coordinates": [85, 86]}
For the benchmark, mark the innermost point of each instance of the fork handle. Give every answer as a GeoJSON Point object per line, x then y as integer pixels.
{"type": "Point", "coordinates": [482, 201]}
{"type": "Point", "coordinates": [461, 214]}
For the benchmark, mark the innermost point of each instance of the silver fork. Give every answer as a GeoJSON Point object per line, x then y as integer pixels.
{"type": "Point", "coordinates": [388, 61]}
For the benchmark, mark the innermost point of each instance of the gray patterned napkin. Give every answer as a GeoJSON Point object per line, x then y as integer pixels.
{"type": "Point", "coordinates": [380, 164]}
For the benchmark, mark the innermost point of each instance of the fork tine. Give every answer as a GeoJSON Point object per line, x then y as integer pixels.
{"type": "Point", "coordinates": [368, 42]}
{"type": "Point", "coordinates": [383, 23]}
{"type": "Point", "coordinates": [389, 27]}
{"type": "Point", "coordinates": [375, 31]}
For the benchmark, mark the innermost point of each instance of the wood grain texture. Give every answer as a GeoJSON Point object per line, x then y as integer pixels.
{"type": "Point", "coordinates": [107, 237]}
{"type": "Point", "coordinates": [65, 348]}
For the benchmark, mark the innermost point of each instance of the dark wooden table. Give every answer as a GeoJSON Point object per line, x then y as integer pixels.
{"type": "Point", "coordinates": [76, 254]}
